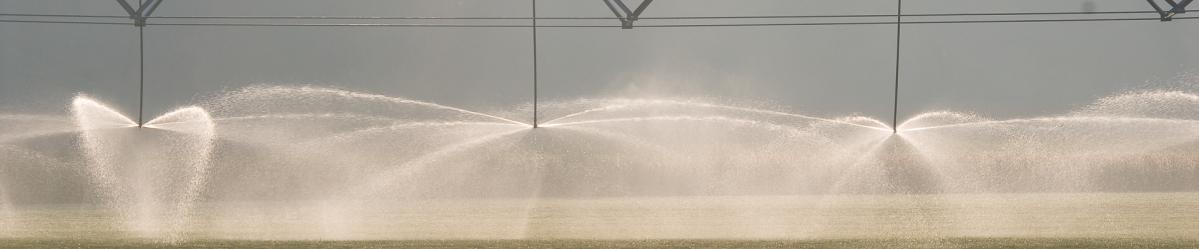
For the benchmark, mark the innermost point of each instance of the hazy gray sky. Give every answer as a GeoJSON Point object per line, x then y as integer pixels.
{"type": "Point", "coordinates": [999, 69]}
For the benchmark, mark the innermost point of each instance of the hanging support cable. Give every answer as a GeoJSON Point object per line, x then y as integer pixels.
{"type": "Point", "coordinates": [622, 11]}
{"type": "Point", "coordinates": [142, 12]}
{"type": "Point", "coordinates": [1178, 7]}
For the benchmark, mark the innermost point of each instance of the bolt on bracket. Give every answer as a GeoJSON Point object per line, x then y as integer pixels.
{"type": "Point", "coordinates": [1176, 7]}
{"type": "Point", "coordinates": [142, 12]}
{"type": "Point", "coordinates": [626, 15]}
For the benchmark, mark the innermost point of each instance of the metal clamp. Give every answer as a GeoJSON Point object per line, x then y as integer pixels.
{"type": "Point", "coordinates": [626, 15]}
{"type": "Point", "coordinates": [1178, 7]}
{"type": "Point", "coordinates": [142, 12]}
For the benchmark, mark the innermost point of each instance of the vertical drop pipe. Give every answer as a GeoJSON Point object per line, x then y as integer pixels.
{"type": "Point", "coordinates": [895, 98]}
{"type": "Point", "coordinates": [141, 72]}
{"type": "Point", "coordinates": [534, 63]}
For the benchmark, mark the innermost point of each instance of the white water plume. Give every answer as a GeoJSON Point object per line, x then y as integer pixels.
{"type": "Point", "coordinates": [153, 177]}
{"type": "Point", "coordinates": [354, 154]}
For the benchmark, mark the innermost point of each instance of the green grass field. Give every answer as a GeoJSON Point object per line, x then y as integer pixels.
{"type": "Point", "coordinates": [1088, 243]}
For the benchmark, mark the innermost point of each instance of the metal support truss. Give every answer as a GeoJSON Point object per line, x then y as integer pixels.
{"type": "Point", "coordinates": [626, 15]}
{"type": "Point", "coordinates": [142, 12]}
{"type": "Point", "coordinates": [1176, 7]}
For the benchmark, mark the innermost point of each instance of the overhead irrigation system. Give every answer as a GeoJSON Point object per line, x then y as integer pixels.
{"type": "Point", "coordinates": [141, 16]}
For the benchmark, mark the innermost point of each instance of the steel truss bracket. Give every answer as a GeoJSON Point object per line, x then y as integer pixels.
{"type": "Point", "coordinates": [627, 16]}
{"type": "Point", "coordinates": [1176, 7]}
{"type": "Point", "coordinates": [142, 12]}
